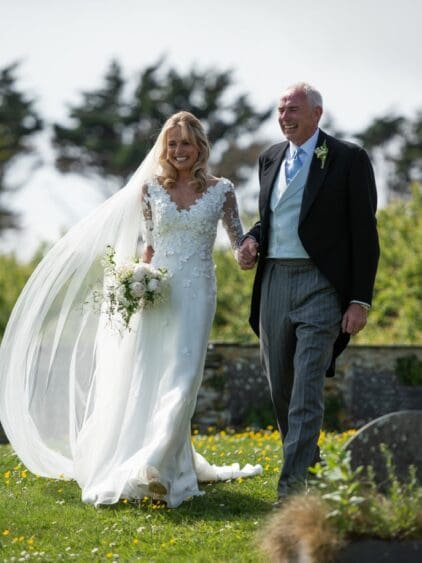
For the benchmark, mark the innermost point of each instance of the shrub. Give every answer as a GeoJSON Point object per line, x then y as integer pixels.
{"type": "Point", "coordinates": [13, 276]}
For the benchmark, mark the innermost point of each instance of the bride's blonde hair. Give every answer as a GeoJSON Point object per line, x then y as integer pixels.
{"type": "Point", "coordinates": [193, 131]}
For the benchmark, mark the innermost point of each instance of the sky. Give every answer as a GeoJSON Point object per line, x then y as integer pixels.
{"type": "Point", "coordinates": [363, 55]}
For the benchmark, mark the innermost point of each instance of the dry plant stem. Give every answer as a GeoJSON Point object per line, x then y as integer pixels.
{"type": "Point", "coordinates": [300, 532]}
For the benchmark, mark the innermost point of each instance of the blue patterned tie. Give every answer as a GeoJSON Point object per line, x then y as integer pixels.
{"type": "Point", "coordinates": [293, 164]}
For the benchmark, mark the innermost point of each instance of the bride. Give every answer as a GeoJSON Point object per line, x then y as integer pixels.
{"type": "Point", "coordinates": [110, 410]}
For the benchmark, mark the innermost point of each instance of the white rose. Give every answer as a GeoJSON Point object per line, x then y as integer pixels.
{"type": "Point", "coordinates": [137, 289]}
{"type": "Point", "coordinates": [139, 273]}
{"type": "Point", "coordinates": [154, 285]}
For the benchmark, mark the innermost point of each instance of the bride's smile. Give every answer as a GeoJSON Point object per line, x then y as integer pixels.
{"type": "Point", "coordinates": [181, 152]}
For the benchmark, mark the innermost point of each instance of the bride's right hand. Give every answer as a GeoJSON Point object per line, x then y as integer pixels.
{"type": "Point", "coordinates": [147, 254]}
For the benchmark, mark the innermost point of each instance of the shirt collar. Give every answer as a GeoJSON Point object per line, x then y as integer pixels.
{"type": "Point", "coordinates": [308, 146]}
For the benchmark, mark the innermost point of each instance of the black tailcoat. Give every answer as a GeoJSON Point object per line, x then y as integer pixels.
{"type": "Point", "coordinates": [337, 224]}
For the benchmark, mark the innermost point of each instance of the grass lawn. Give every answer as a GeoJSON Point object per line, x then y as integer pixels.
{"type": "Point", "coordinates": [45, 520]}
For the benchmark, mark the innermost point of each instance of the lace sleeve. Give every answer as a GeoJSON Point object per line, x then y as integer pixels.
{"type": "Point", "coordinates": [148, 226]}
{"type": "Point", "coordinates": [231, 219]}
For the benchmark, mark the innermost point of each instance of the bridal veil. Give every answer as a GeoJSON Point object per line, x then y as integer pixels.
{"type": "Point", "coordinates": [56, 345]}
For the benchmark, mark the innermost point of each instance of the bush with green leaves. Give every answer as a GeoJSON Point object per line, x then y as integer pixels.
{"type": "Point", "coordinates": [358, 507]}
{"type": "Point", "coordinates": [396, 315]}
{"type": "Point", "coordinates": [234, 288]}
{"type": "Point", "coordinates": [13, 276]}
{"type": "Point", "coordinates": [409, 370]}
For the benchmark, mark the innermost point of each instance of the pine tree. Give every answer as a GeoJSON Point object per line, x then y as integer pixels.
{"type": "Point", "coordinates": [18, 123]}
{"type": "Point", "coordinates": [112, 128]}
{"type": "Point", "coordinates": [396, 142]}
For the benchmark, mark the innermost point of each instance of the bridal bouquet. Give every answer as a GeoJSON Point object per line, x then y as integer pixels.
{"type": "Point", "coordinates": [129, 288]}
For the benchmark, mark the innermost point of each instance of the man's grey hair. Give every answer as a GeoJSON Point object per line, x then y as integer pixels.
{"type": "Point", "coordinates": [314, 97]}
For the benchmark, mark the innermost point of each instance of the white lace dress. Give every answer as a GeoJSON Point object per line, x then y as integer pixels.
{"type": "Point", "coordinates": [147, 435]}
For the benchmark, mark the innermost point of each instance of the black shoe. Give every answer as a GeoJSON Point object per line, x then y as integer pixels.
{"type": "Point", "coordinates": [278, 504]}
{"type": "Point", "coordinates": [287, 492]}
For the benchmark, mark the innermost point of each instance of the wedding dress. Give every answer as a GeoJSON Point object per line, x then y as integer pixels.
{"type": "Point", "coordinates": [110, 411]}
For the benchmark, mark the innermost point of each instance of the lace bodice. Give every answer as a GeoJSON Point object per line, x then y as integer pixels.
{"type": "Point", "coordinates": [180, 234]}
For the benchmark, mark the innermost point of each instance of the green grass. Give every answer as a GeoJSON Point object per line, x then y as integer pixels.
{"type": "Point", "coordinates": [45, 520]}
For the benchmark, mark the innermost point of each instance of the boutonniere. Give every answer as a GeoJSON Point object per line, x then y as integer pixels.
{"type": "Point", "coordinates": [321, 153]}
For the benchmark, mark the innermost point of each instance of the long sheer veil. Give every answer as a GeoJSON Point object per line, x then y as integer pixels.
{"type": "Point", "coordinates": [56, 345]}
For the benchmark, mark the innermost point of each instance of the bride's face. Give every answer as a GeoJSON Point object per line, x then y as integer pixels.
{"type": "Point", "coordinates": [181, 152]}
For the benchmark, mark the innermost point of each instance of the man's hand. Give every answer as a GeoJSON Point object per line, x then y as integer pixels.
{"type": "Point", "coordinates": [354, 319]}
{"type": "Point", "coordinates": [247, 253]}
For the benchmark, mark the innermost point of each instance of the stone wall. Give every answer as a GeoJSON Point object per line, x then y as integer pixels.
{"type": "Point", "coordinates": [235, 391]}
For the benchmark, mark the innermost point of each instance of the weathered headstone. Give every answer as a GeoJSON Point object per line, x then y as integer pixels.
{"type": "Point", "coordinates": [373, 393]}
{"type": "Point", "coordinates": [381, 551]}
{"type": "Point", "coordinates": [401, 432]}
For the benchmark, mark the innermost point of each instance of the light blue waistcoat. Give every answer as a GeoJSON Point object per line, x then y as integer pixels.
{"type": "Point", "coordinates": [284, 240]}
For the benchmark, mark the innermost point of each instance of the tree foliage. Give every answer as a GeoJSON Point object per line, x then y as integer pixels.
{"type": "Point", "coordinates": [397, 141]}
{"type": "Point", "coordinates": [112, 128]}
{"type": "Point", "coordinates": [18, 123]}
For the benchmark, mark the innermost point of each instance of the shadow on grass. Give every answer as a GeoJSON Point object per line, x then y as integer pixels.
{"type": "Point", "coordinates": [221, 501]}
{"type": "Point", "coordinates": [218, 504]}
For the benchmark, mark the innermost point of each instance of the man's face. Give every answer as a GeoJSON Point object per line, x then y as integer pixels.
{"type": "Point", "coordinates": [297, 118]}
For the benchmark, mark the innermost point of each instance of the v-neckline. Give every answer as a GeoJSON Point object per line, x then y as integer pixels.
{"type": "Point", "coordinates": [192, 205]}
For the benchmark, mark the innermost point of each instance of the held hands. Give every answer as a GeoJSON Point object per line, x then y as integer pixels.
{"type": "Point", "coordinates": [354, 319]}
{"type": "Point", "coordinates": [247, 253]}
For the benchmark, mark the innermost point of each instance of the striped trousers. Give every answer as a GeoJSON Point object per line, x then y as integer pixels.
{"type": "Point", "coordinates": [300, 318]}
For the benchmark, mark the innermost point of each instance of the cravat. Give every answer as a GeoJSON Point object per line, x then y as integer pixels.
{"type": "Point", "coordinates": [293, 164]}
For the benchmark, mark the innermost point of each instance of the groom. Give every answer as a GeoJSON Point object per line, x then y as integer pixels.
{"type": "Point", "coordinates": [317, 249]}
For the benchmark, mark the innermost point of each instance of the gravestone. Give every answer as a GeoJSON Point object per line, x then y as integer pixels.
{"type": "Point", "coordinates": [372, 393]}
{"type": "Point", "coordinates": [381, 551]}
{"type": "Point", "coordinates": [401, 432]}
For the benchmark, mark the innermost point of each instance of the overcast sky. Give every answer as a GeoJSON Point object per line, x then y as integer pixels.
{"type": "Point", "coordinates": [363, 55]}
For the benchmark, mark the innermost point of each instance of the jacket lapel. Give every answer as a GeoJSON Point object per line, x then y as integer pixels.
{"type": "Point", "coordinates": [316, 177]}
{"type": "Point", "coordinates": [269, 173]}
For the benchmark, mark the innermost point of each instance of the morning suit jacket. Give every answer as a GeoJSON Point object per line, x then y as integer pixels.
{"type": "Point", "coordinates": [337, 224]}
